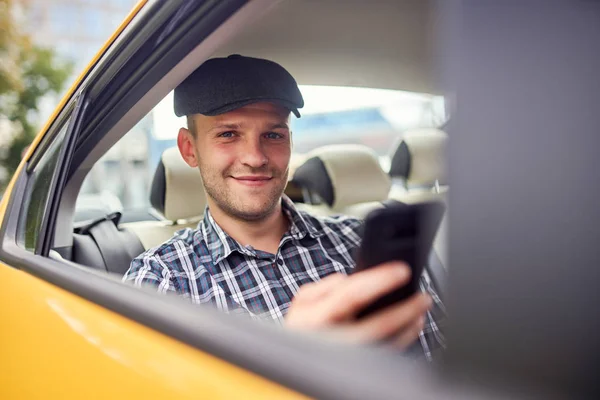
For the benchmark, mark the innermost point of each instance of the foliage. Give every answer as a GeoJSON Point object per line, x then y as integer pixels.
{"type": "Point", "coordinates": [28, 73]}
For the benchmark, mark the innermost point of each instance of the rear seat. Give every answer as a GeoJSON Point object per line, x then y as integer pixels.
{"type": "Point", "coordinates": [347, 178]}
{"type": "Point", "coordinates": [177, 194]}
{"type": "Point", "coordinates": [350, 181]}
{"type": "Point", "coordinates": [100, 245]}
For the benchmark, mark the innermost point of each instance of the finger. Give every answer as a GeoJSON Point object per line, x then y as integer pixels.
{"type": "Point", "coordinates": [361, 289]}
{"type": "Point", "coordinates": [301, 314]}
{"type": "Point", "coordinates": [315, 290]}
{"type": "Point", "coordinates": [392, 320]}
{"type": "Point", "coordinates": [410, 335]}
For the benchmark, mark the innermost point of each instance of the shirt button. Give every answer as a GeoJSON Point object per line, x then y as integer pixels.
{"type": "Point", "coordinates": [279, 261]}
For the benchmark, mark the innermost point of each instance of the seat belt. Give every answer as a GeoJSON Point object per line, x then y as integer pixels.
{"type": "Point", "coordinates": [434, 266]}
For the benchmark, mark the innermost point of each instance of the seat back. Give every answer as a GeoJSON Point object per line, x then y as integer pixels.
{"type": "Point", "coordinates": [350, 181]}
{"type": "Point", "coordinates": [418, 166]}
{"type": "Point", "coordinates": [177, 194]}
{"type": "Point", "coordinates": [101, 245]}
{"type": "Point", "coordinates": [347, 178]}
{"type": "Point", "coordinates": [418, 172]}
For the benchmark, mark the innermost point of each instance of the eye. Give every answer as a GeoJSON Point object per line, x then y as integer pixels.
{"type": "Point", "coordinates": [228, 134]}
{"type": "Point", "coordinates": [273, 135]}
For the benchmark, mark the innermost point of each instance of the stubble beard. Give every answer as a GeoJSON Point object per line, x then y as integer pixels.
{"type": "Point", "coordinates": [232, 204]}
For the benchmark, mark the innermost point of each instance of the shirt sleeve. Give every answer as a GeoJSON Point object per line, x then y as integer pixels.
{"type": "Point", "coordinates": [149, 270]}
{"type": "Point", "coordinates": [432, 338]}
{"type": "Point", "coordinates": [348, 228]}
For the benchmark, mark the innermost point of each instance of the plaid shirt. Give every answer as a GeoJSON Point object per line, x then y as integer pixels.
{"type": "Point", "coordinates": [208, 266]}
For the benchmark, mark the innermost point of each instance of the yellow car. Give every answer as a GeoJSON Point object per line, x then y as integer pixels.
{"type": "Point", "coordinates": [72, 329]}
{"type": "Point", "coordinates": [75, 330]}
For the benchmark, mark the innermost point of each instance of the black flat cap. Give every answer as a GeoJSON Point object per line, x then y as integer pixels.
{"type": "Point", "coordinates": [225, 84]}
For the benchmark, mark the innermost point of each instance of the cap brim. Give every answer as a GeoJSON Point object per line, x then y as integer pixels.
{"type": "Point", "coordinates": [241, 103]}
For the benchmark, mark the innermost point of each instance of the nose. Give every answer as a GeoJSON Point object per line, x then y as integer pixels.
{"type": "Point", "coordinates": [252, 153]}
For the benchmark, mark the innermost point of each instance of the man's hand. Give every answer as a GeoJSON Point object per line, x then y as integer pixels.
{"type": "Point", "coordinates": [333, 303]}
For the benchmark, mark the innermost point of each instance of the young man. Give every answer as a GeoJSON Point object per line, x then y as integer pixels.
{"type": "Point", "coordinates": [254, 252]}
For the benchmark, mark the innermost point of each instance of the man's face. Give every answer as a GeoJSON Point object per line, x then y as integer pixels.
{"type": "Point", "coordinates": [243, 156]}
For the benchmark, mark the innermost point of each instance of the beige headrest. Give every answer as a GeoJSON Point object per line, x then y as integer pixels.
{"type": "Point", "coordinates": [177, 191]}
{"type": "Point", "coordinates": [420, 158]}
{"type": "Point", "coordinates": [344, 175]}
{"type": "Point", "coordinates": [296, 160]}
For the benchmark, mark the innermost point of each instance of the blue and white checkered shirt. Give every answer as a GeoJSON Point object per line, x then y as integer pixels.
{"type": "Point", "coordinates": [208, 266]}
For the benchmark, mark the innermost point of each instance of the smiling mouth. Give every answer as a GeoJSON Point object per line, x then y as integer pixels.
{"type": "Point", "coordinates": [252, 180]}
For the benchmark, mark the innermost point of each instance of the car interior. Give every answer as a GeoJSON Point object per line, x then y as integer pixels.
{"type": "Point", "coordinates": [344, 47]}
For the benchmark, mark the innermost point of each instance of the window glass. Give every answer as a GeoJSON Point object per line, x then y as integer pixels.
{"type": "Point", "coordinates": [38, 193]}
{"type": "Point", "coordinates": [120, 180]}
{"type": "Point", "coordinates": [372, 117]}
{"type": "Point", "coordinates": [376, 118]}
{"type": "Point", "coordinates": [331, 115]}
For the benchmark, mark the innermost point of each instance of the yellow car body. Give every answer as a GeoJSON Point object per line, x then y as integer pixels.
{"type": "Point", "coordinates": [56, 345]}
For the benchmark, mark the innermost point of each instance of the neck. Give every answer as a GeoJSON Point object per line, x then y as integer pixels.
{"type": "Point", "coordinates": [264, 234]}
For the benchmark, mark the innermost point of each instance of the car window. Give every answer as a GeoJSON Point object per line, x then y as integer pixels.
{"type": "Point", "coordinates": [37, 193]}
{"type": "Point", "coordinates": [334, 115]}
{"type": "Point", "coordinates": [121, 179]}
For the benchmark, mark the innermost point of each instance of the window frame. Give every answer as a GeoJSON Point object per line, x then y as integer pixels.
{"type": "Point", "coordinates": [67, 120]}
{"type": "Point", "coordinates": [60, 176]}
{"type": "Point", "coordinates": [37, 193]}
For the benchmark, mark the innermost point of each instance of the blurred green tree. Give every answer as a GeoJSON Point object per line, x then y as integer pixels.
{"type": "Point", "coordinates": [27, 73]}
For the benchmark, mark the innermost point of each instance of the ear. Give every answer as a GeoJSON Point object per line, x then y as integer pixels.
{"type": "Point", "coordinates": [186, 144]}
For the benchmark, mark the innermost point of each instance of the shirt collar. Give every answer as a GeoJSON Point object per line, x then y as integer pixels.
{"type": "Point", "coordinates": [221, 245]}
{"type": "Point", "coordinates": [300, 226]}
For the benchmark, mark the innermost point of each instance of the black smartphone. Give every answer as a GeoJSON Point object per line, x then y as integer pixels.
{"type": "Point", "coordinates": [398, 232]}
